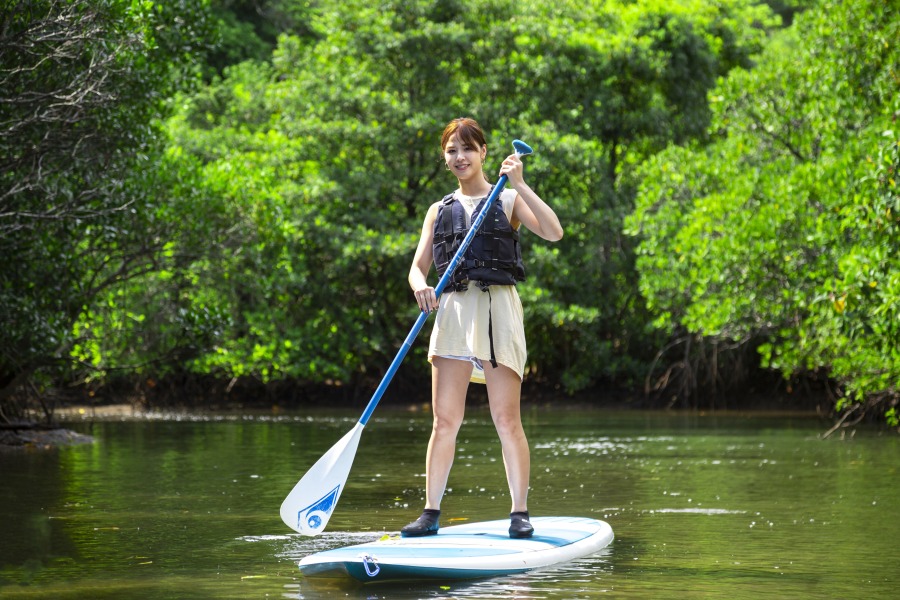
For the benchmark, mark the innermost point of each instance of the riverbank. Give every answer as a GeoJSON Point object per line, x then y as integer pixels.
{"type": "Point", "coordinates": [34, 438]}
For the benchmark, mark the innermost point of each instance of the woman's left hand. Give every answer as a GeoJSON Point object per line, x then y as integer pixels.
{"type": "Point", "coordinates": [513, 169]}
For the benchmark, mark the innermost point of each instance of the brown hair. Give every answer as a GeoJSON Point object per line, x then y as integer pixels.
{"type": "Point", "coordinates": [467, 130]}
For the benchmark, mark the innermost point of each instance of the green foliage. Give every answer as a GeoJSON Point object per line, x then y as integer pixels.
{"type": "Point", "coordinates": [84, 85]}
{"type": "Point", "coordinates": [326, 157]}
{"type": "Point", "coordinates": [249, 29]}
{"type": "Point", "coordinates": [783, 231]}
{"type": "Point", "coordinates": [272, 237]}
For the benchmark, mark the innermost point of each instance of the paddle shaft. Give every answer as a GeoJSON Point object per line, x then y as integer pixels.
{"type": "Point", "coordinates": [420, 322]}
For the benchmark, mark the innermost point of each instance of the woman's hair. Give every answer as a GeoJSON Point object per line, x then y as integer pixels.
{"type": "Point", "coordinates": [466, 129]}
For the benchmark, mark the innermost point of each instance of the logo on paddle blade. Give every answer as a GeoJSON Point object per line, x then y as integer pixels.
{"type": "Point", "coordinates": [314, 516]}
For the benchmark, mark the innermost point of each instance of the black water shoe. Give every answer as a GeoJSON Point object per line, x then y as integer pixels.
{"type": "Point", "coordinates": [427, 524]}
{"type": "Point", "coordinates": [519, 525]}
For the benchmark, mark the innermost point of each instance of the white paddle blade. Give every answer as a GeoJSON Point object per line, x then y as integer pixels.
{"type": "Point", "coordinates": [308, 507]}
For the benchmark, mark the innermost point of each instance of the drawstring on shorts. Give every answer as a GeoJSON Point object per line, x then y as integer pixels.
{"type": "Point", "coordinates": [487, 288]}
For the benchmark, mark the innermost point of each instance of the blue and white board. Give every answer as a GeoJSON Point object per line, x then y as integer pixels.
{"type": "Point", "coordinates": [465, 551]}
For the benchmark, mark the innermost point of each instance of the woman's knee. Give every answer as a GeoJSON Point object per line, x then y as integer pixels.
{"type": "Point", "coordinates": [508, 423]}
{"type": "Point", "coordinates": [449, 410]}
{"type": "Point", "coordinates": [446, 425]}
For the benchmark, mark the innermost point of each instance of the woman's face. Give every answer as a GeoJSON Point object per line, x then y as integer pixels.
{"type": "Point", "coordinates": [463, 159]}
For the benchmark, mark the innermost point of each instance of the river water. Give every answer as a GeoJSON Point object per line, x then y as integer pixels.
{"type": "Point", "coordinates": [716, 506]}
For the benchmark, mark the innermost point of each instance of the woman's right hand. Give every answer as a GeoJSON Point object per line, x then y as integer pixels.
{"type": "Point", "coordinates": [426, 299]}
{"type": "Point", "coordinates": [418, 271]}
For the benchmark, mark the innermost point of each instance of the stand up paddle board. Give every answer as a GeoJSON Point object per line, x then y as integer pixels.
{"type": "Point", "coordinates": [467, 551]}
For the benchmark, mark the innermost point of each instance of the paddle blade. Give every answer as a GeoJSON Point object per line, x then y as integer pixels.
{"type": "Point", "coordinates": [308, 507]}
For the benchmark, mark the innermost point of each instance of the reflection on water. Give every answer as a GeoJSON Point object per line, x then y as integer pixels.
{"type": "Point", "coordinates": [577, 579]}
{"type": "Point", "coordinates": [186, 506]}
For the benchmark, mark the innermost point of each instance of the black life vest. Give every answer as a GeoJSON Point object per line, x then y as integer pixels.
{"type": "Point", "coordinates": [493, 258]}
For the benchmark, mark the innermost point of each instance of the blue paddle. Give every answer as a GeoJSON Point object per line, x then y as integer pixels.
{"type": "Point", "coordinates": [310, 504]}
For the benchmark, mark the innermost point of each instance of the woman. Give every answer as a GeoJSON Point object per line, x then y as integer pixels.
{"type": "Point", "coordinates": [478, 333]}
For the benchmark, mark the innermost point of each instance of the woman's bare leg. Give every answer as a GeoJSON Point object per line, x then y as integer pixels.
{"type": "Point", "coordinates": [504, 395]}
{"type": "Point", "coordinates": [449, 384]}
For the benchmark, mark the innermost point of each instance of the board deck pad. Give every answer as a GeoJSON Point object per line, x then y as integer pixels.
{"type": "Point", "coordinates": [468, 551]}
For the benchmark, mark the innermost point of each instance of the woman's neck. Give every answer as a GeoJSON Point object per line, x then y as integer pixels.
{"type": "Point", "coordinates": [479, 187]}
